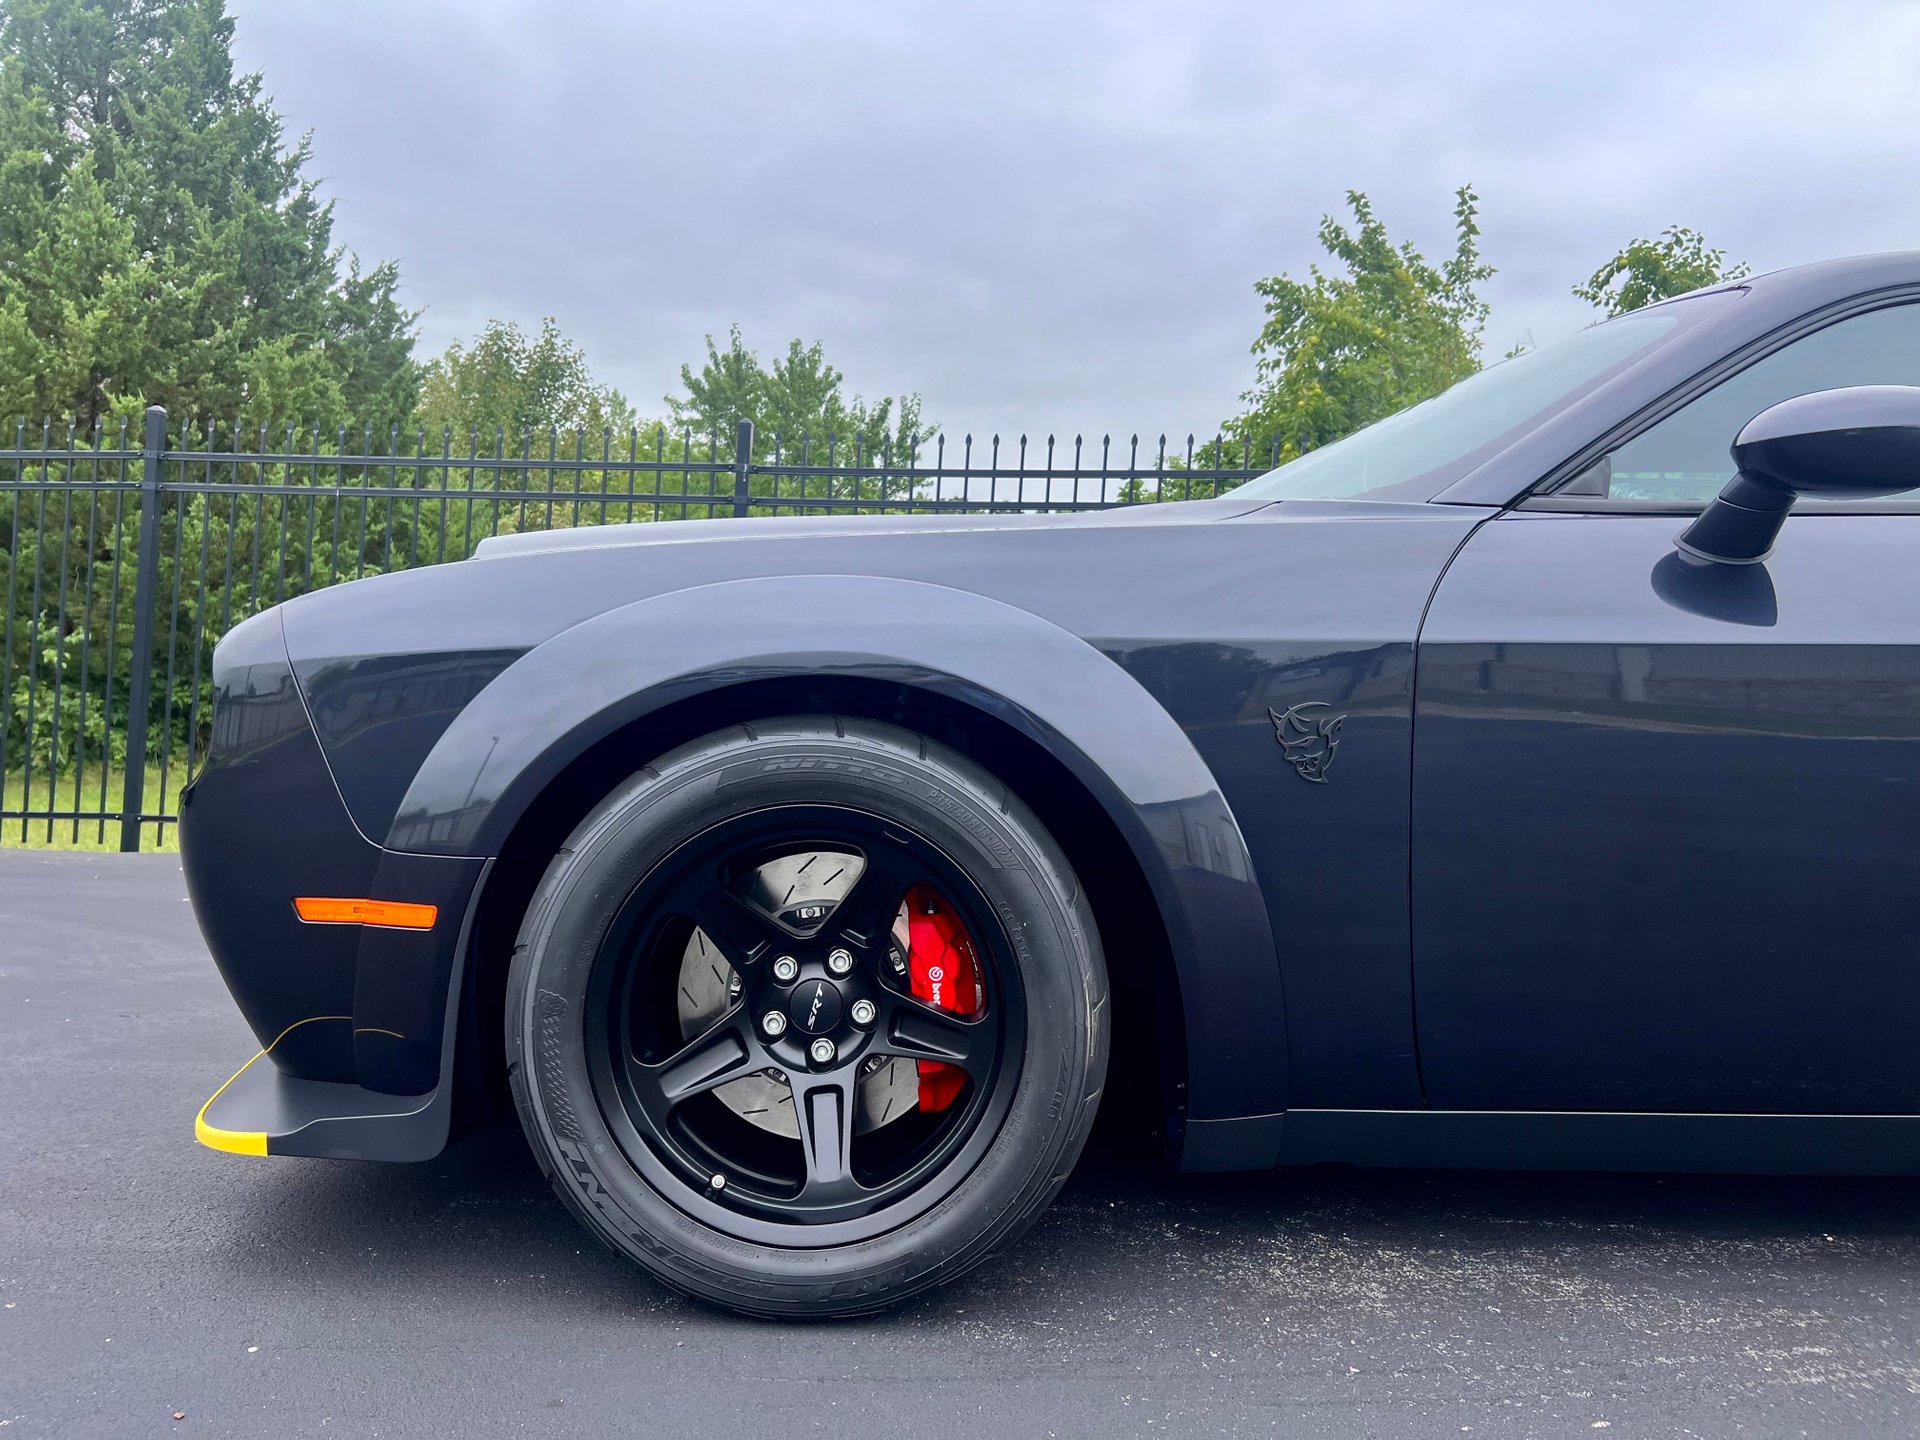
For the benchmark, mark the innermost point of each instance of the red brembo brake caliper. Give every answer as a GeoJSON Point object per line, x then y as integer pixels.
{"type": "Point", "coordinates": [945, 972]}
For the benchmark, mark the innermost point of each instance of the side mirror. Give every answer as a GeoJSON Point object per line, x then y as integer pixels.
{"type": "Point", "coordinates": [1854, 444]}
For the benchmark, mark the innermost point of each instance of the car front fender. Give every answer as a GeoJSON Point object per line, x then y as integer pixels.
{"type": "Point", "coordinates": [599, 676]}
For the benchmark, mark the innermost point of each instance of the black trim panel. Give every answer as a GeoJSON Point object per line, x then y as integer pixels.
{"type": "Point", "coordinates": [1563, 1140]}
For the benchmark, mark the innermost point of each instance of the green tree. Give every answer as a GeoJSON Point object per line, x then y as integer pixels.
{"type": "Point", "coordinates": [507, 394]}
{"type": "Point", "coordinates": [160, 242]}
{"type": "Point", "coordinates": [798, 402]}
{"type": "Point", "coordinates": [1341, 350]}
{"type": "Point", "coordinates": [503, 383]}
{"type": "Point", "coordinates": [801, 415]}
{"type": "Point", "coordinates": [1649, 270]}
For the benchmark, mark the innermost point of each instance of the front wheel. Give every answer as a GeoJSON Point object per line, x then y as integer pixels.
{"type": "Point", "coordinates": [808, 1016]}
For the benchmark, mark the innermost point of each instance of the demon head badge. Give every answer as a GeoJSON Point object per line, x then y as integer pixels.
{"type": "Point", "coordinates": [1309, 736]}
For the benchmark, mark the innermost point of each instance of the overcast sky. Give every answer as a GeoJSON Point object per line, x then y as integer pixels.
{"type": "Point", "coordinates": [1049, 216]}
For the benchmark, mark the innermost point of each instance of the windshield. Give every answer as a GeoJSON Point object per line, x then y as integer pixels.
{"type": "Point", "coordinates": [1420, 451]}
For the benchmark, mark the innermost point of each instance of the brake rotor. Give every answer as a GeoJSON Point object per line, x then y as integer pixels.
{"type": "Point", "coordinates": [801, 890]}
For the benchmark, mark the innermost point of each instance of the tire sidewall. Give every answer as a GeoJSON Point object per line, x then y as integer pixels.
{"type": "Point", "coordinates": [1048, 940]}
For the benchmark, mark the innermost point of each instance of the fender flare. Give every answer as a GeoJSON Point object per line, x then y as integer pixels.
{"type": "Point", "coordinates": [586, 682]}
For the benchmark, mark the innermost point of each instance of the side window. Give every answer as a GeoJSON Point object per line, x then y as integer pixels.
{"type": "Point", "coordinates": [1684, 457]}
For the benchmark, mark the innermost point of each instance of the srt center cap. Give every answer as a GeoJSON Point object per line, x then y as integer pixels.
{"type": "Point", "coordinates": [815, 1006]}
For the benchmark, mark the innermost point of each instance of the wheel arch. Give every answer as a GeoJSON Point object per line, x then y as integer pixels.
{"type": "Point", "coordinates": [1105, 767]}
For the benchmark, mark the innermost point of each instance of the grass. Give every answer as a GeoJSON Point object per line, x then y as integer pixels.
{"type": "Point", "coordinates": [66, 793]}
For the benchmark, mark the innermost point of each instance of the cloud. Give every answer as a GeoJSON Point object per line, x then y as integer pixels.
{"type": "Point", "coordinates": [1049, 217]}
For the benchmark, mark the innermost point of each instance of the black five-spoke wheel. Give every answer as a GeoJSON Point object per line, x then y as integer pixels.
{"type": "Point", "coordinates": [807, 1016]}
{"type": "Point", "coordinates": [808, 917]}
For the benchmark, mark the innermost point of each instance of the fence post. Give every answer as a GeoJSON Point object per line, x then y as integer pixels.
{"type": "Point", "coordinates": [146, 586]}
{"type": "Point", "coordinates": [742, 464]}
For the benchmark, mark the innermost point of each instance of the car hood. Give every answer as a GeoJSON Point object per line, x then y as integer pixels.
{"type": "Point", "coordinates": [795, 527]}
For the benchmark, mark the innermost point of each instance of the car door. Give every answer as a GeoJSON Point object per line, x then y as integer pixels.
{"type": "Point", "coordinates": [1666, 819]}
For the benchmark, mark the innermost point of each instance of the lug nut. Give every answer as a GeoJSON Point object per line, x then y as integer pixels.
{"type": "Point", "coordinates": [863, 1012]}
{"type": "Point", "coordinates": [821, 1050]}
{"type": "Point", "coordinates": [840, 962]}
{"type": "Point", "coordinates": [773, 1022]}
{"type": "Point", "coordinates": [785, 968]}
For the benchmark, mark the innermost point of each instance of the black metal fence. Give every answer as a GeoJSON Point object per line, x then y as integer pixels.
{"type": "Point", "coordinates": [128, 556]}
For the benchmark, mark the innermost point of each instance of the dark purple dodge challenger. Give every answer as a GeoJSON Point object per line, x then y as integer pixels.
{"type": "Point", "coordinates": [1532, 778]}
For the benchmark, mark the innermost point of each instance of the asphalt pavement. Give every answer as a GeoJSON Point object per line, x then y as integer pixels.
{"type": "Point", "coordinates": [145, 1278]}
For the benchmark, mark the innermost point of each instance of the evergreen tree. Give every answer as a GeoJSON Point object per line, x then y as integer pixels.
{"type": "Point", "coordinates": [160, 241]}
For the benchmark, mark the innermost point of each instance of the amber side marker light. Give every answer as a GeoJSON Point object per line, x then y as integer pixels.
{"type": "Point", "coordinates": [392, 914]}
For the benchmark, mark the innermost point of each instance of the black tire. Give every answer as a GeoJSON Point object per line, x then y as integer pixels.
{"type": "Point", "coordinates": [969, 1204]}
